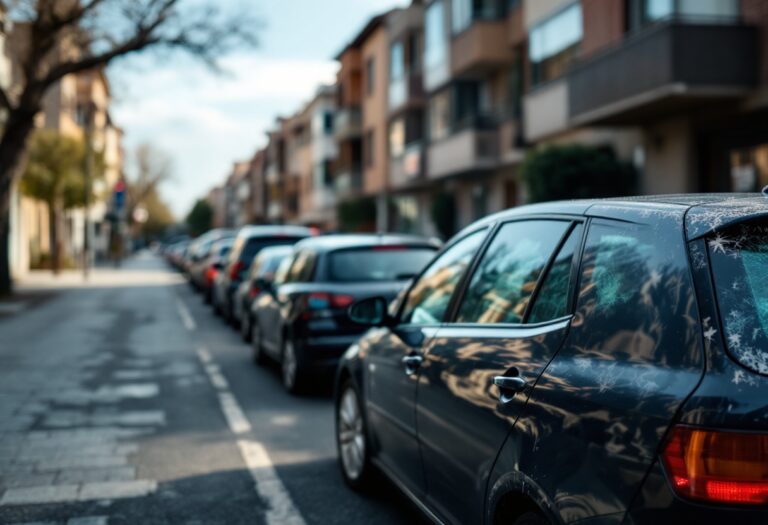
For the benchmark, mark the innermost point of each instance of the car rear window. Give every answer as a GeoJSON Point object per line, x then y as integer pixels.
{"type": "Point", "coordinates": [378, 263]}
{"type": "Point", "coordinates": [739, 258]}
{"type": "Point", "coordinates": [255, 244]}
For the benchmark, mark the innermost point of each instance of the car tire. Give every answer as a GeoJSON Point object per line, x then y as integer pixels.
{"type": "Point", "coordinates": [207, 296]}
{"type": "Point", "coordinates": [531, 518]}
{"type": "Point", "coordinates": [258, 352]}
{"type": "Point", "coordinates": [290, 369]}
{"type": "Point", "coordinates": [352, 446]}
{"type": "Point", "coordinates": [245, 327]}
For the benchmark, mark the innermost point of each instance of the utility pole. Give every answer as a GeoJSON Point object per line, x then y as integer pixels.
{"type": "Point", "coordinates": [89, 125]}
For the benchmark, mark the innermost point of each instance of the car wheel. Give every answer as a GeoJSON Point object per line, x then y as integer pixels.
{"type": "Point", "coordinates": [245, 328]}
{"type": "Point", "coordinates": [258, 353]}
{"type": "Point", "coordinates": [207, 296]}
{"type": "Point", "coordinates": [351, 439]}
{"type": "Point", "coordinates": [531, 518]}
{"type": "Point", "coordinates": [291, 372]}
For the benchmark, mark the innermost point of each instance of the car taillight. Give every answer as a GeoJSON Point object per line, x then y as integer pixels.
{"type": "Point", "coordinates": [718, 466]}
{"type": "Point", "coordinates": [210, 275]}
{"type": "Point", "coordinates": [317, 301]}
{"type": "Point", "coordinates": [234, 272]}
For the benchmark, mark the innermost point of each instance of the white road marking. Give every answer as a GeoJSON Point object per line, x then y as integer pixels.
{"type": "Point", "coordinates": [238, 423]}
{"type": "Point", "coordinates": [268, 485]}
{"type": "Point", "coordinates": [186, 317]}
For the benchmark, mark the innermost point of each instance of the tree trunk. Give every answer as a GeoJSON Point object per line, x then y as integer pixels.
{"type": "Point", "coordinates": [20, 123]}
{"type": "Point", "coordinates": [55, 237]}
{"type": "Point", "coordinates": [6, 283]}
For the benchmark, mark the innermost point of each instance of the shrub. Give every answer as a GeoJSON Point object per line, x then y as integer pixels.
{"type": "Point", "coordinates": [576, 172]}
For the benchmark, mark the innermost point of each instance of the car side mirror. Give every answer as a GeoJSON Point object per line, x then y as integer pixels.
{"type": "Point", "coordinates": [218, 265]}
{"type": "Point", "coordinates": [369, 312]}
{"type": "Point", "coordinates": [263, 284]}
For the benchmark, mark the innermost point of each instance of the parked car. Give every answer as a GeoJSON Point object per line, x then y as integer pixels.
{"type": "Point", "coordinates": [302, 322]}
{"type": "Point", "coordinates": [249, 241]}
{"type": "Point", "coordinates": [201, 254]}
{"type": "Point", "coordinates": [591, 362]}
{"type": "Point", "coordinates": [260, 278]}
{"type": "Point", "coordinates": [213, 264]}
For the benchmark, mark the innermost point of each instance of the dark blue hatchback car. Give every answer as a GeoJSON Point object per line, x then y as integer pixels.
{"type": "Point", "coordinates": [588, 361]}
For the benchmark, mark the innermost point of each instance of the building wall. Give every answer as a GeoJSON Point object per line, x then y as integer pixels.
{"type": "Point", "coordinates": [374, 108]}
{"type": "Point", "coordinates": [756, 12]}
{"type": "Point", "coordinates": [669, 157]}
{"type": "Point", "coordinates": [536, 10]}
{"type": "Point", "coordinates": [604, 22]}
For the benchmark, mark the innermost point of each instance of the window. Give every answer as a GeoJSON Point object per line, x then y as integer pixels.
{"type": "Point", "coordinates": [554, 44]}
{"type": "Point", "coordinates": [440, 115]}
{"type": "Point", "coordinates": [397, 137]}
{"type": "Point", "coordinates": [370, 75]}
{"type": "Point", "coordinates": [552, 299]}
{"type": "Point", "coordinates": [328, 123]}
{"type": "Point", "coordinates": [368, 148]}
{"type": "Point", "coordinates": [428, 299]}
{"type": "Point", "coordinates": [464, 12]}
{"type": "Point", "coordinates": [644, 12]}
{"type": "Point", "coordinates": [302, 268]}
{"type": "Point", "coordinates": [436, 64]}
{"type": "Point", "coordinates": [509, 270]}
{"type": "Point", "coordinates": [739, 261]}
{"type": "Point", "coordinates": [396, 61]}
{"type": "Point", "coordinates": [378, 263]}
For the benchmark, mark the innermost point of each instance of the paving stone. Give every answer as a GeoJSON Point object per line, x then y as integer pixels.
{"type": "Point", "coordinates": [94, 475]}
{"type": "Point", "coordinates": [89, 520]}
{"type": "Point", "coordinates": [117, 489]}
{"type": "Point", "coordinates": [44, 494]}
{"type": "Point", "coordinates": [28, 480]}
{"type": "Point", "coordinates": [81, 462]}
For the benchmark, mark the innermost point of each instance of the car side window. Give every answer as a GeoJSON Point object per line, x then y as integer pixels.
{"type": "Point", "coordinates": [430, 295]}
{"type": "Point", "coordinates": [303, 267]}
{"type": "Point", "coordinates": [552, 299]}
{"type": "Point", "coordinates": [507, 274]}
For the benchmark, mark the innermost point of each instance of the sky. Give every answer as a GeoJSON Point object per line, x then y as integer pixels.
{"type": "Point", "coordinates": [206, 121]}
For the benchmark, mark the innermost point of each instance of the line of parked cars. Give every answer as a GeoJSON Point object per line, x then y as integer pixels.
{"type": "Point", "coordinates": [599, 362]}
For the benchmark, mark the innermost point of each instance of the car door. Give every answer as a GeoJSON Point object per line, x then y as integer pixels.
{"type": "Point", "coordinates": [597, 416]}
{"type": "Point", "coordinates": [481, 367]}
{"type": "Point", "coordinates": [394, 357]}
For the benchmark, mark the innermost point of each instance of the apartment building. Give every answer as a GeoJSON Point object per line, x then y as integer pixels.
{"type": "Point", "coordinates": [257, 203]}
{"type": "Point", "coordinates": [678, 86]}
{"type": "Point", "coordinates": [77, 106]}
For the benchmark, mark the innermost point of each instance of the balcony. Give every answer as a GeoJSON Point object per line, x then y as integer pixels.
{"type": "Point", "coordinates": [668, 68]}
{"type": "Point", "coordinates": [348, 181]}
{"type": "Point", "coordinates": [470, 148]}
{"type": "Point", "coordinates": [406, 92]}
{"type": "Point", "coordinates": [348, 123]}
{"type": "Point", "coordinates": [407, 168]}
{"type": "Point", "coordinates": [480, 47]}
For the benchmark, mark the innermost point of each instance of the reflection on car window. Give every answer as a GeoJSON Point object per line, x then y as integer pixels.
{"type": "Point", "coordinates": [303, 268]}
{"type": "Point", "coordinates": [552, 299]}
{"type": "Point", "coordinates": [740, 266]}
{"type": "Point", "coordinates": [507, 274]}
{"type": "Point", "coordinates": [428, 299]}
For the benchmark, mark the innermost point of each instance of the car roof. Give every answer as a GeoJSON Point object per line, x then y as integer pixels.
{"type": "Point", "coordinates": [701, 213]}
{"type": "Point", "coordinates": [355, 240]}
{"type": "Point", "coordinates": [271, 231]}
{"type": "Point", "coordinates": [275, 251]}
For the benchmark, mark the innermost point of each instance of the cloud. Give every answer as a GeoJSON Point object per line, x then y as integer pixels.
{"type": "Point", "coordinates": [205, 121]}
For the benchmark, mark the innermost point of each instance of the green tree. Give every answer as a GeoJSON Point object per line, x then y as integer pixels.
{"type": "Point", "coordinates": [200, 218]}
{"type": "Point", "coordinates": [158, 217]}
{"type": "Point", "coordinates": [55, 175]}
{"type": "Point", "coordinates": [58, 38]}
{"type": "Point", "coordinates": [576, 172]}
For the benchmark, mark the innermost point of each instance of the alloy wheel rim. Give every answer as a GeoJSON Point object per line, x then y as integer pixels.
{"type": "Point", "coordinates": [289, 365]}
{"type": "Point", "coordinates": [350, 434]}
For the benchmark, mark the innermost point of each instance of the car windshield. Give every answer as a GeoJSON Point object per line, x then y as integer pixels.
{"type": "Point", "coordinates": [739, 259]}
{"type": "Point", "coordinates": [378, 263]}
{"type": "Point", "coordinates": [255, 244]}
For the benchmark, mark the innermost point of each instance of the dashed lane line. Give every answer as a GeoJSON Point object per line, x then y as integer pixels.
{"type": "Point", "coordinates": [186, 317]}
{"type": "Point", "coordinates": [269, 487]}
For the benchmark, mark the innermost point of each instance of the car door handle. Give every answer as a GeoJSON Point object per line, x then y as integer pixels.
{"type": "Point", "coordinates": [509, 386]}
{"type": "Point", "coordinates": [412, 363]}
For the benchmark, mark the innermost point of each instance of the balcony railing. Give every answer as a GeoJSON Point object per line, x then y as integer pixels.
{"type": "Point", "coordinates": [666, 67]}
{"type": "Point", "coordinates": [348, 181]}
{"type": "Point", "coordinates": [470, 147]}
{"type": "Point", "coordinates": [348, 123]}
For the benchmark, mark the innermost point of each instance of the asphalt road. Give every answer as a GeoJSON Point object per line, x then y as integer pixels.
{"type": "Point", "coordinates": [125, 401]}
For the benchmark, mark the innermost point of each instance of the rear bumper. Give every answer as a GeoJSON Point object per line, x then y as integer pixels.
{"type": "Point", "coordinates": [656, 504]}
{"type": "Point", "coordinates": [322, 353]}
